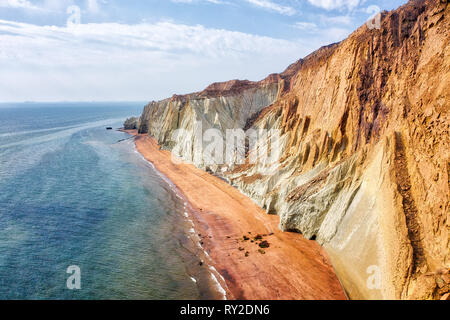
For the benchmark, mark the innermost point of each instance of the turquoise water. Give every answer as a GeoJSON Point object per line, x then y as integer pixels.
{"type": "Point", "coordinates": [73, 193]}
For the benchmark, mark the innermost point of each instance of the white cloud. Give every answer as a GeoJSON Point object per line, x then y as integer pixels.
{"type": "Point", "coordinates": [272, 6]}
{"type": "Point", "coordinates": [112, 61]}
{"type": "Point", "coordinates": [24, 4]}
{"type": "Point", "coordinates": [93, 6]}
{"type": "Point", "coordinates": [335, 4]}
{"type": "Point", "coordinates": [47, 6]}
{"type": "Point", "coordinates": [306, 26]}
{"type": "Point", "coordinates": [342, 20]}
{"type": "Point", "coordinates": [313, 35]}
{"type": "Point", "coordinates": [197, 1]}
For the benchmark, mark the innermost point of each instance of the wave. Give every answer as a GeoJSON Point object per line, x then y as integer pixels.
{"type": "Point", "coordinates": [17, 157]}
{"type": "Point", "coordinates": [58, 135]}
{"type": "Point", "coordinates": [20, 133]}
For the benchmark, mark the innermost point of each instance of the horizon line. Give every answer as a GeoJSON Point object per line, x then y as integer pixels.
{"type": "Point", "coordinates": [79, 101]}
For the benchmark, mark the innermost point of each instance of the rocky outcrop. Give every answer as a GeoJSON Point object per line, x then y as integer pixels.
{"type": "Point", "coordinates": [364, 136]}
{"type": "Point", "coordinates": [131, 123]}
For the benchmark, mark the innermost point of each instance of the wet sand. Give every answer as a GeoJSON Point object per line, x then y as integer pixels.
{"type": "Point", "coordinates": [292, 268]}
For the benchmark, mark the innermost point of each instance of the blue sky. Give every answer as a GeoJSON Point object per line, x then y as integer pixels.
{"type": "Point", "coordinates": [150, 49]}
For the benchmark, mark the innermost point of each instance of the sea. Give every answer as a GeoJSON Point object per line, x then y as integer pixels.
{"type": "Point", "coordinates": [84, 216]}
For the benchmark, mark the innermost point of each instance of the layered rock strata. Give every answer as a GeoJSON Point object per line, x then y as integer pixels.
{"type": "Point", "coordinates": [364, 138]}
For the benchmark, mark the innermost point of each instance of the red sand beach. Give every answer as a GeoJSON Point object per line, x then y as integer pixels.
{"type": "Point", "coordinates": [291, 268]}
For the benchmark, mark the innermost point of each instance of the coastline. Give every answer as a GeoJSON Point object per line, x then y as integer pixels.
{"type": "Point", "coordinates": [292, 268]}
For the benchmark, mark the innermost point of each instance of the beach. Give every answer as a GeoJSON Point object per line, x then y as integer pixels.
{"type": "Point", "coordinates": [251, 257]}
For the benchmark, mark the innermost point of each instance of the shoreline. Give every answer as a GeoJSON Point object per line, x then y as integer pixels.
{"type": "Point", "coordinates": [194, 239]}
{"type": "Point", "coordinates": [292, 268]}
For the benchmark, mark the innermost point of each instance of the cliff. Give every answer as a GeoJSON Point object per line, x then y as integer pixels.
{"type": "Point", "coordinates": [364, 139]}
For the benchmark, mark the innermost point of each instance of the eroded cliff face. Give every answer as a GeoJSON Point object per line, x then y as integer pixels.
{"type": "Point", "coordinates": [222, 106]}
{"type": "Point", "coordinates": [365, 150]}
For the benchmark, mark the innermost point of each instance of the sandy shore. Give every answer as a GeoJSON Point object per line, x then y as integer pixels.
{"type": "Point", "coordinates": [291, 268]}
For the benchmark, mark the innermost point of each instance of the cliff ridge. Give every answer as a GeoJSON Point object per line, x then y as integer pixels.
{"type": "Point", "coordinates": [364, 136]}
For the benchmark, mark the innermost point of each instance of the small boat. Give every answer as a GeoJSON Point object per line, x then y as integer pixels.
{"type": "Point", "coordinates": [109, 128]}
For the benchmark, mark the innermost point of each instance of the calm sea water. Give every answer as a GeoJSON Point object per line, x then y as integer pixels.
{"type": "Point", "coordinates": [73, 193]}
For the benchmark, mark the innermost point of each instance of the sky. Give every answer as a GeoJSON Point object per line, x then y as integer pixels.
{"type": "Point", "coordinates": [143, 50]}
